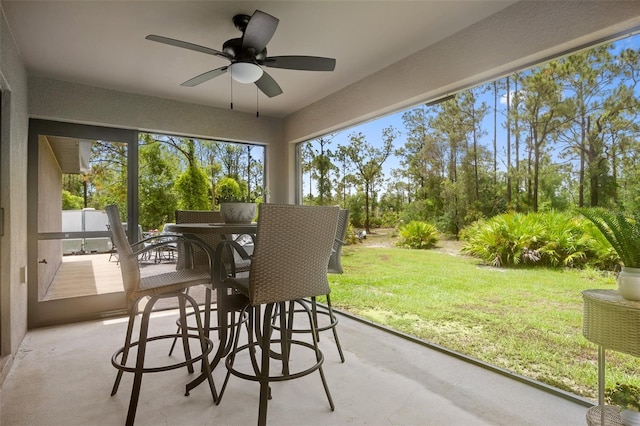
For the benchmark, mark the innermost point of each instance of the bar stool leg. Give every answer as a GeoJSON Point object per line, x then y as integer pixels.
{"type": "Point", "coordinates": [142, 348]}
{"type": "Point", "coordinates": [127, 346]}
{"type": "Point", "coordinates": [185, 331]}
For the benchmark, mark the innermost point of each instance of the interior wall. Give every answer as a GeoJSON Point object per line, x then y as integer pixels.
{"type": "Point", "coordinates": [62, 101]}
{"type": "Point", "coordinates": [13, 189]}
{"type": "Point", "coordinates": [524, 34]}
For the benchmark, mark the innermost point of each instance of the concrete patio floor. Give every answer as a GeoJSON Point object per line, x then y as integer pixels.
{"type": "Point", "coordinates": [63, 376]}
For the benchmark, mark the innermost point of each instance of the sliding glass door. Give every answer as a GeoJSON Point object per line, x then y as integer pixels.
{"type": "Point", "coordinates": [74, 172]}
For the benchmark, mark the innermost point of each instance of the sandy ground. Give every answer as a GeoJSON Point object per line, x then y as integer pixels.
{"type": "Point", "coordinates": [386, 237]}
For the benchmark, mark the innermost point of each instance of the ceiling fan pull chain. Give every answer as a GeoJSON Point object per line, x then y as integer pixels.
{"type": "Point", "coordinates": [231, 86]}
{"type": "Point", "coordinates": [257, 111]}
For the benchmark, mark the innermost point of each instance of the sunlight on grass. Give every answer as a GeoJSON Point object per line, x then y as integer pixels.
{"type": "Point", "coordinates": [526, 320]}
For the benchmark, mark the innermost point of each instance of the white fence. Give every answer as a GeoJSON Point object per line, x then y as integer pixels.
{"type": "Point", "coordinates": [83, 221]}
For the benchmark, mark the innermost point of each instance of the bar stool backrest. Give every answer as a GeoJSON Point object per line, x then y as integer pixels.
{"type": "Point", "coordinates": [129, 267]}
{"type": "Point", "coordinates": [291, 254]}
{"type": "Point", "coordinates": [335, 263]}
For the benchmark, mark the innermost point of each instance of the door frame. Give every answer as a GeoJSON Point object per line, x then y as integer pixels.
{"type": "Point", "coordinates": [61, 311]}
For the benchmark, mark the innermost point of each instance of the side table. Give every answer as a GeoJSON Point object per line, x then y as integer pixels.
{"type": "Point", "coordinates": [612, 322]}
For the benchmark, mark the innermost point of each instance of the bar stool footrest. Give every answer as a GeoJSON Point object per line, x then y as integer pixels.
{"type": "Point", "coordinates": [117, 356]}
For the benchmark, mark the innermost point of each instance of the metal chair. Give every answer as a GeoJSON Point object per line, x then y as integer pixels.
{"type": "Point", "coordinates": [150, 289]}
{"type": "Point", "coordinates": [289, 264]}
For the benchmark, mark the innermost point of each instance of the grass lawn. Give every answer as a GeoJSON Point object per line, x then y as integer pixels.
{"type": "Point", "coordinates": [526, 320]}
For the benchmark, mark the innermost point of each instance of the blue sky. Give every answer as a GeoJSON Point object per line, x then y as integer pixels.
{"type": "Point", "coordinates": [372, 130]}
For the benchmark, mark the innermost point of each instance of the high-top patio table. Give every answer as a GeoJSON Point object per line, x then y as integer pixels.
{"type": "Point", "coordinates": [223, 300]}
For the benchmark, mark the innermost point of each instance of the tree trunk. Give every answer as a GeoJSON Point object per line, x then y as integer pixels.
{"type": "Point", "coordinates": [508, 144]}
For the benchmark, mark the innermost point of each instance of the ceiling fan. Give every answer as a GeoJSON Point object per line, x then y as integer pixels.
{"type": "Point", "coordinates": [248, 54]}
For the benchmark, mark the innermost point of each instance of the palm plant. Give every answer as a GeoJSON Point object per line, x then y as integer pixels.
{"type": "Point", "coordinates": [621, 230]}
{"type": "Point", "coordinates": [418, 235]}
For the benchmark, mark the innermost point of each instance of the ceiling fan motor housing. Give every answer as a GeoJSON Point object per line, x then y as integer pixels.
{"type": "Point", "coordinates": [233, 48]}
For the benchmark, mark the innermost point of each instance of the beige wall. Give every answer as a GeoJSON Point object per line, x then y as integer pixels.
{"type": "Point", "coordinates": [13, 189]}
{"type": "Point", "coordinates": [63, 101]}
{"type": "Point", "coordinates": [49, 218]}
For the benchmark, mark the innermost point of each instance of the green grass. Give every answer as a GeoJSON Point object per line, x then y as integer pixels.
{"type": "Point", "coordinates": [526, 320]}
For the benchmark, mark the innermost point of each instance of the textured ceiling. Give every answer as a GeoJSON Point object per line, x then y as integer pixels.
{"type": "Point", "coordinates": [102, 43]}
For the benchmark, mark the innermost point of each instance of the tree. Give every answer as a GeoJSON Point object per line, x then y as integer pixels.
{"type": "Point", "coordinates": [106, 182]}
{"type": "Point", "coordinates": [70, 201]}
{"type": "Point", "coordinates": [544, 113]}
{"type": "Point", "coordinates": [344, 178]}
{"type": "Point", "coordinates": [193, 185]}
{"type": "Point", "coordinates": [368, 162]}
{"type": "Point", "coordinates": [472, 116]}
{"type": "Point", "coordinates": [423, 155]}
{"type": "Point", "coordinates": [588, 76]}
{"type": "Point", "coordinates": [157, 195]}
{"type": "Point", "coordinates": [321, 167]}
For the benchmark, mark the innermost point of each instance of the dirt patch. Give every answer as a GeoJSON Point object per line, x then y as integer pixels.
{"type": "Point", "coordinates": [451, 247]}
{"type": "Point", "coordinates": [387, 237]}
{"type": "Point", "coordinates": [381, 237]}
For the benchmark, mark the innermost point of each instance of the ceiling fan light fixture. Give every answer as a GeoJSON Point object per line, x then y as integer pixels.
{"type": "Point", "coordinates": [245, 72]}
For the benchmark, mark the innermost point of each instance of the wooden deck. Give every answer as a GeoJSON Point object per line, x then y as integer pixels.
{"type": "Point", "coordinates": [93, 274]}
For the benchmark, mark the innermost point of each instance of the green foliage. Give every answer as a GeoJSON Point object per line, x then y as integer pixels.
{"type": "Point", "coordinates": [625, 396]}
{"type": "Point", "coordinates": [71, 202]}
{"type": "Point", "coordinates": [418, 210]}
{"type": "Point", "coordinates": [350, 237]}
{"type": "Point", "coordinates": [367, 160]}
{"type": "Point", "coordinates": [355, 204]}
{"type": "Point", "coordinates": [156, 190]}
{"type": "Point", "coordinates": [418, 235]}
{"type": "Point", "coordinates": [502, 240]}
{"type": "Point", "coordinates": [389, 219]}
{"type": "Point", "coordinates": [228, 191]}
{"type": "Point", "coordinates": [193, 187]}
{"type": "Point", "coordinates": [546, 239]}
{"type": "Point", "coordinates": [622, 231]}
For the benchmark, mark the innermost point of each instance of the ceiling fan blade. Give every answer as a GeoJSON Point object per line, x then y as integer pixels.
{"type": "Point", "coordinates": [259, 31]}
{"type": "Point", "coordinates": [206, 76]}
{"type": "Point", "coordinates": [268, 85]}
{"type": "Point", "coordinates": [305, 63]}
{"type": "Point", "coordinates": [187, 45]}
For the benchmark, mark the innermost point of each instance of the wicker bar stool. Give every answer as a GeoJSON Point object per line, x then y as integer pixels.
{"type": "Point", "coordinates": [289, 264]}
{"type": "Point", "coordinates": [330, 321]}
{"type": "Point", "coordinates": [147, 291]}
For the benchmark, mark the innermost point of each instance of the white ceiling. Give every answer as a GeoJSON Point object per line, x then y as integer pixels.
{"type": "Point", "coordinates": [102, 43]}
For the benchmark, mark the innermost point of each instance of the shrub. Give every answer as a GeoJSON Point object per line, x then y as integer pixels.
{"type": "Point", "coordinates": [505, 239]}
{"type": "Point", "coordinates": [193, 188]}
{"type": "Point", "coordinates": [548, 239]}
{"type": "Point", "coordinates": [351, 236]}
{"type": "Point", "coordinates": [228, 190]}
{"type": "Point", "coordinates": [625, 396]}
{"type": "Point", "coordinates": [621, 230]}
{"type": "Point", "coordinates": [418, 235]}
